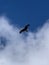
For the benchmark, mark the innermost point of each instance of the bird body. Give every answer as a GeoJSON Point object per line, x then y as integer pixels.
{"type": "Point", "coordinates": [24, 29]}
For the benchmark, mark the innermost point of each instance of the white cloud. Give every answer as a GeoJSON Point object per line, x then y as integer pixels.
{"type": "Point", "coordinates": [32, 49]}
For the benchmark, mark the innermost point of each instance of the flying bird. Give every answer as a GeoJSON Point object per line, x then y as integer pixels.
{"type": "Point", "coordinates": [25, 28]}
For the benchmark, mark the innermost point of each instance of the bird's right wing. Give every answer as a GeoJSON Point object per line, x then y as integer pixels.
{"type": "Point", "coordinates": [21, 30]}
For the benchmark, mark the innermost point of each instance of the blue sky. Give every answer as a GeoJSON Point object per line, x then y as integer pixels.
{"type": "Point", "coordinates": [21, 49]}
{"type": "Point", "coordinates": [21, 12]}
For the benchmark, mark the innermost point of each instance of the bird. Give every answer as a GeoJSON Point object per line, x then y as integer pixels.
{"type": "Point", "coordinates": [25, 28]}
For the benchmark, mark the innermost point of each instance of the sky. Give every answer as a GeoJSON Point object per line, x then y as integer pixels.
{"type": "Point", "coordinates": [21, 12]}
{"type": "Point", "coordinates": [28, 48]}
{"type": "Point", "coordinates": [18, 49]}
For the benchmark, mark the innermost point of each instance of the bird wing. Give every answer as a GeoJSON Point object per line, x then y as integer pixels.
{"type": "Point", "coordinates": [21, 30]}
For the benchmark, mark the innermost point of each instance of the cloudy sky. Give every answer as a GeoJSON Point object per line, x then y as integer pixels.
{"type": "Point", "coordinates": [29, 48]}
